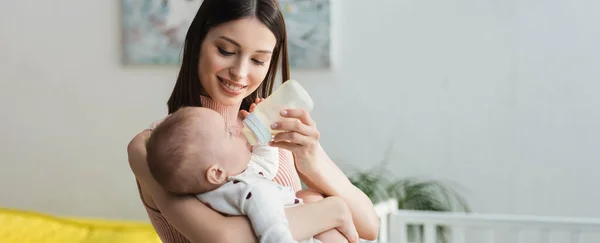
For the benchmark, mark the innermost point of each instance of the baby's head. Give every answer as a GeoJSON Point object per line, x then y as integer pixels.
{"type": "Point", "coordinates": [193, 151]}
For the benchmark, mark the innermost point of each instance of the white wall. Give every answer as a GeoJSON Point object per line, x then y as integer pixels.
{"type": "Point", "coordinates": [494, 95]}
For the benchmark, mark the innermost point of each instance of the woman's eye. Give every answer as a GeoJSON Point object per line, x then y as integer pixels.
{"type": "Point", "coordinates": [224, 52]}
{"type": "Point", "coordinates": [259, 62]}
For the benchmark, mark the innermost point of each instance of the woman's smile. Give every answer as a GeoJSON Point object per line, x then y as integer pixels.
{"type": "Point", "coordinates": [231, 88]}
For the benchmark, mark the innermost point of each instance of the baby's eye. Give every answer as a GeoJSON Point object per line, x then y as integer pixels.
{"type": "Point", "coordinates": [233, 131]}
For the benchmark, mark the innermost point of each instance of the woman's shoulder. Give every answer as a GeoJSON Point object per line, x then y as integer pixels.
{"type": "Point", "coordinates": [136, 151]}
{"type": "Point", "coordinates": [155, 123]}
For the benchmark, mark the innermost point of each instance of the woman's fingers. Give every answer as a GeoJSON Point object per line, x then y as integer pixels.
{"type": "Point", "coordinates": [243, 114]}
{"type": "Point", "coordinates": [285, 145]}
{"type": "Point", "coordinates": [300, 114]}
{"type": "Point", "coordinates": [293, 125]}
{"type": "Point", "coordinates": [253, 105]}
{"type": "Point", "coordinates": [292, 137]}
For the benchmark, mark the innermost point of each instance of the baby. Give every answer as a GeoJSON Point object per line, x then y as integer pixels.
{"type": "Point", "coordinates": [194, 152]}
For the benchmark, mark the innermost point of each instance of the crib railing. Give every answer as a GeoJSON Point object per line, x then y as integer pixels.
{"type": "Point", "coordinates": [400, 226]}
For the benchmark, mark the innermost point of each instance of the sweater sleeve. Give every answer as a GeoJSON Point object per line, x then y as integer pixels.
{"type": "Point", "coordinates": [287, 174]}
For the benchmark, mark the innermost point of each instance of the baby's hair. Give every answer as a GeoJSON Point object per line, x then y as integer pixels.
{"type": "Point", "coordinates": [173, 154]}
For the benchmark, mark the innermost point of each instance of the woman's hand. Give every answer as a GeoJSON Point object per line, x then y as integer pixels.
{"type": "Point", "coordinates": [300, 136]}
{"type": "Point", "coordinates": [244, 113]}
{"type": "Point", "coordinates": [318, 171]}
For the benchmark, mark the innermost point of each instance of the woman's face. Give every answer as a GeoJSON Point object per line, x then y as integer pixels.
{"type": "Point", "coordinates": [234, 59]}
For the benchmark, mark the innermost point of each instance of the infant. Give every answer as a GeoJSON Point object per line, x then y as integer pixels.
{"type": "Point", "coordinates": [194, 152]}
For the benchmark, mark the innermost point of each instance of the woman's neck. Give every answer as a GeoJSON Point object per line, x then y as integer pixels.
{"type": "Point", "coordinates": [229, 113]}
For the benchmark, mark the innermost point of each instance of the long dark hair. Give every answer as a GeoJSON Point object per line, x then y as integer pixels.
{"type": "Point", "coordinates": [187, 89]}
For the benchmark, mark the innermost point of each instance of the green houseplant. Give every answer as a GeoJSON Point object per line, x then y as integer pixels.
{"type": "Point", "coordinates": [411, 194]}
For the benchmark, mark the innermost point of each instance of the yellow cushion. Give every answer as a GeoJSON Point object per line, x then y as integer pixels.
{"type": "Point", "coordinates": [18, 226]}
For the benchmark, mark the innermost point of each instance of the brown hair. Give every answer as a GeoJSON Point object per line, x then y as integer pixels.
{"type": "Point", "coordinates": [173, 153]}
{"type": "Point", "coordinates": [187, 89]}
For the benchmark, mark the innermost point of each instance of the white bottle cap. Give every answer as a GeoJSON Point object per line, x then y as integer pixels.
{"type": "Point", "coordinates": [262, 134]}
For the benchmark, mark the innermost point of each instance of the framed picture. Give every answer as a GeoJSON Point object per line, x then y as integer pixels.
{"type": "Point", "coordinates": [154, 31]}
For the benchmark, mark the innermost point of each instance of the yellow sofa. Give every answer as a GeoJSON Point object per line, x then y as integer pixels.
{"type": "Point", "coordinates": [19, 226]}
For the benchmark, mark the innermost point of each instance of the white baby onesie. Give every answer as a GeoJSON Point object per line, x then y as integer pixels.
{"type": "Point", "coordinates": [254, 194]}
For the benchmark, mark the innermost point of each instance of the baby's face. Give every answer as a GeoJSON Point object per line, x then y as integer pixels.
{"type": "Point", "coordinates": [227, 140]}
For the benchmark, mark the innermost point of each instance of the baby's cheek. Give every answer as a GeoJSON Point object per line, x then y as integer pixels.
{"type": "Point", "coordinates": [237, 139]}
{"type": "Point", "coordinates": [236, 132]}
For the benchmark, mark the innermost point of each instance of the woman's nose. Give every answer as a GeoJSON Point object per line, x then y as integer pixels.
{"type": "Point", "coordinates": [239, 71]}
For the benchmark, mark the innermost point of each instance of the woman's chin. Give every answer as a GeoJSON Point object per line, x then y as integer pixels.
{"type": "Point", "coordinates": [228, 100]}
{"type": "Point", "coordinates": [226, 97]}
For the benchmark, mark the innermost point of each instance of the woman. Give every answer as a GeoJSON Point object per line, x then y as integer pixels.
{"type": "Point", "coordinates": [230, 58]}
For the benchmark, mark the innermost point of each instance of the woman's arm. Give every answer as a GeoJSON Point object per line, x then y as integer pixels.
{"type": "Point", "coordinates": [319, 172]}
{"type": "Point", "coordinates": [329, 179]}
{"type": "Point", "coordinates": [194, 220]}
{"type": "Point", "coordinates": [198, 223]}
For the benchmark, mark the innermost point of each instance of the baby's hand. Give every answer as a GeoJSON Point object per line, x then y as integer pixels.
{"type": "Point", "coordinates": [346, 225]}
{"type": "Point", "coordinates": [349, 230]}
{"type": "Point", "coordinates": [244, 113]}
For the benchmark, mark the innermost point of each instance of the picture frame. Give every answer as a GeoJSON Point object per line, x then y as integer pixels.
{"type": "Point", "coordinates": [153, 31]}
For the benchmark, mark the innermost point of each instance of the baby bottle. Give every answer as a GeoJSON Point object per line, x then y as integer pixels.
{"type": "Point", "coordinates": [257, 125]}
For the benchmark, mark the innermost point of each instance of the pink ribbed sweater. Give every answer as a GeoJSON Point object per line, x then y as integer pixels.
{"type": "Point", "coordinates": [286, 176]}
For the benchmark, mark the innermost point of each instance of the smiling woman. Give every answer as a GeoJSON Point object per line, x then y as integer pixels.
{"type": "Point", "coordinates": [230, 69]}
{"type": "Point", "coordinates": [241, 50]}
{"type": "Point", "coordinates": [230, 58]}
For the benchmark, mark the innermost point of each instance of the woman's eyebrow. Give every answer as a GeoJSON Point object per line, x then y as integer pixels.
{"type": "Point", "coordinates": [238, 44]}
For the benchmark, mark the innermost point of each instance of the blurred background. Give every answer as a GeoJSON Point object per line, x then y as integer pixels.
{"type": "Point", "coordinates": [496, 99]}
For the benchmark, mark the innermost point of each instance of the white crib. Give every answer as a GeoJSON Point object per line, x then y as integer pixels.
{"type": "Point", "coordinates": [481, 228]}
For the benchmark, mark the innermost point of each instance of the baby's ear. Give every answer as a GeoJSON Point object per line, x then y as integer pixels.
{"type": "Point", "coordinates": [216, 175]}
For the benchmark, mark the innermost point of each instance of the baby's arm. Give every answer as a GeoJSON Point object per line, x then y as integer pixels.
{"type": "Point", "coordinates": [260, 202]}
{"type": "Point", "coordinates": [266, 213]}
